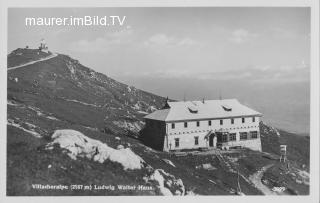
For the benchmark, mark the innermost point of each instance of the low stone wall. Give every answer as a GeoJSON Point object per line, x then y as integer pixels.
{"type": "Point", "coordinates": [254, 144]}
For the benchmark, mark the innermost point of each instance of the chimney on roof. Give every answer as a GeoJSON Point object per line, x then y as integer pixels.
{"type": "Point", "coordinates": [203, 100]}
{"type": "Point", "coordinates": [166, 105]}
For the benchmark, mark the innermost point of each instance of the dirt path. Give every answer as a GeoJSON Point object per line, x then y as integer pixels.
{"type": "Point", "coordinates": [256, 180]}
{"type": "Point", "coordinates": [32, 62]}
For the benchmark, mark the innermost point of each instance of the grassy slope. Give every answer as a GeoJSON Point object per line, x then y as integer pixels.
{"type": "Point", "coordinates": [298, 147]}
{"type": "Point", "coordinates": [298, 155]}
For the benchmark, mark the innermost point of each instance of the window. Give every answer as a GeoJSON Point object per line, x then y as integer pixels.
{"type": "Point", "coordinates": [221, 122]}
{"type": "Point", "coordinates": [196, 140]}
{"type": "Point", "coordinates": [243, 135]}
{"type": "Point", "coordinates": [185, 124]}
{"type": "Point", "coordinates": [232, 137]}
{"type": "Point", "coordinates": [253, 119]}
{"type": "Point", "coordinates": [176, 142]}
{"type": "Point", "coordinates": [198, 123]}
{"type": "Point", "coordinates": [209, 123]}
{"type": "Point", "coordinates": [243, 120]}
{"type": "Point", "coordinates": [232, 120]}
{"type": "Point", "coordinates": [173, 126]}
{"type": "Point", "coordinates": [224, 138]}
{"type": "Point", "coordinates": [254, 134]}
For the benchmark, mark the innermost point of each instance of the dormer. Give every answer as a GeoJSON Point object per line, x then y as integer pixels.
{"type": "Point", "coordinates": [226, 107]}
{"type": "Point", "coordinates": [193, 109]}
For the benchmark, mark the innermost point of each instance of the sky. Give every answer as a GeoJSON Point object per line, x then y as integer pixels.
{"type": "Point", "coordinates": [259, 55]}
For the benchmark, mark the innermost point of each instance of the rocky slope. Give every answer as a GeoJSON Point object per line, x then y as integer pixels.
{"type": "Point", "coordinates": [63, 81]}
{"type": "Point", "coordinates": [69, 125]}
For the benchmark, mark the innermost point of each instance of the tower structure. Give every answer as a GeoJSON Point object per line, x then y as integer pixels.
{"type": "Point", "coordinates": [283, 153]}
{"type": "Point", "coordinates": [43, 46]}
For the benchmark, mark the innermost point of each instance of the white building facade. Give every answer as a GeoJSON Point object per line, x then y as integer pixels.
{"type": "Point", "coordinates": [205, 124]}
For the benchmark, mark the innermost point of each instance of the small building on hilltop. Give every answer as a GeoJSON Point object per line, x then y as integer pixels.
{"type": "Point", "coordinates": [205, 124]}
{"type": "Point", "coordinates": [43, 46]}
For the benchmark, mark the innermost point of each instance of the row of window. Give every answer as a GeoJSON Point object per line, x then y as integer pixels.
{"type": "Point", "coordinates": [243, 136]}
{"type": "Point", "coordinates": [177, 141]}
{"type": "Point", "coordinates": [173, 126]}
{"type": "Point", "coordinates": [199, 131]}
{"type": "Point", "coordinates": [224, 138]}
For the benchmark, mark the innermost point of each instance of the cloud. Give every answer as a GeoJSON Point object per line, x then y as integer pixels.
{"type": "Point", "coordinates": [158, 39]}
{"type": "Point", "coordinates": [126, 37]}
{"type": "Point", "coordinates": [263, 74]}
{"type": "Point", "coordinates": [185, 74]}
{"type": "Point", "coordinates": [241, 36]}
{"type": "Point", "coordinates": [60, 31]}
{"type": "Point", "coordinates": [281, 33]}
{"type": "Point", "coordinates": [187, 42]}
{"type": "Point", "coordinates": [165, 40]}
{"type": "Point", "coordinates": [262, 67]}
{"type": "Point", "coordinates": [87, 46]}
{"type": "Point", "coordinates": [102, 44]}
{"type": "Point", "coordinates": [281, 74]}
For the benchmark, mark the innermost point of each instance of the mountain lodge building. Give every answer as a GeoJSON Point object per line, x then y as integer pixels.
{"type": "Point", "coordinates": [203, 124]}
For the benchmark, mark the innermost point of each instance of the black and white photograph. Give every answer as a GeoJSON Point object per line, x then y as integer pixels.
{"type": "Point", "coordinates": [161, 101]}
